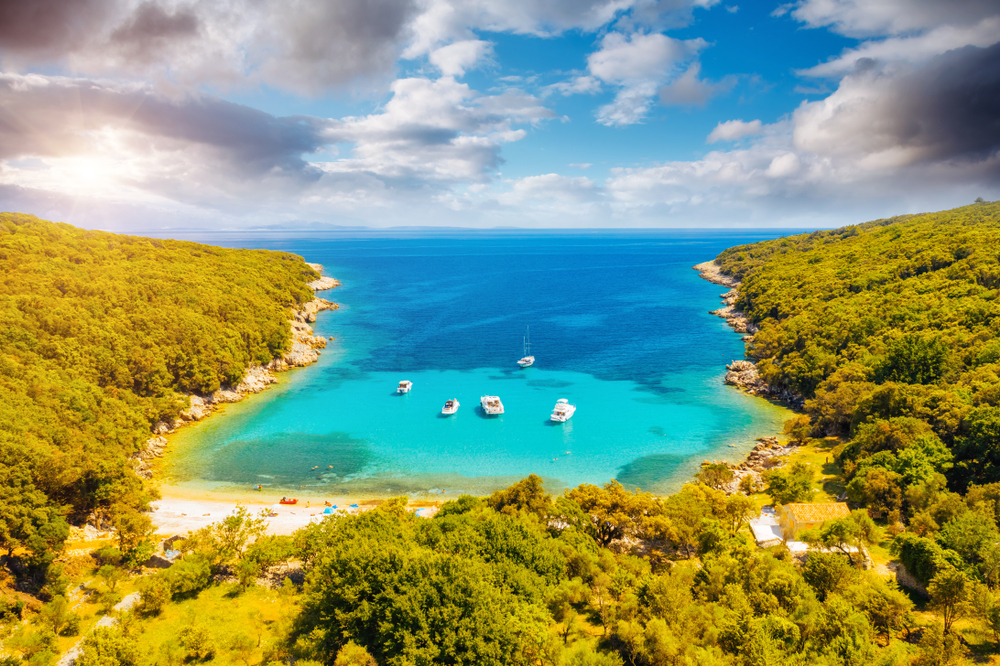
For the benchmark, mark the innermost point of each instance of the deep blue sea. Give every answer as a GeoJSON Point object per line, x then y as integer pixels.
{"type": "Point", "coordinates": [619, 326]}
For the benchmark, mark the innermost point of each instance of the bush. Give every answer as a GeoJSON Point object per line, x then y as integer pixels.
{"type": "Point", "coordinates": [106, 646]}
{"type": "Point", "coordinates": [793, 484]}
{"type": "Point", "coordinates": [155, 591]}
{"type": "Point", "coordinates": [190, 575]}
{"type": "Point", "coordinates": [196, 642]}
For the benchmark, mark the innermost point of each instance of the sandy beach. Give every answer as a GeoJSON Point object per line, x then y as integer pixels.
{"type": "Point", "coordinates": [179, 515]}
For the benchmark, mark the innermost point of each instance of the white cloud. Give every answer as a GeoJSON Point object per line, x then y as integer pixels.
{"type": "Point", "coordinates": [296, 45]}
{"type": "Point", "coordinates": [899, 115]}
{"type": "Point", "coordinates": [128, 145]}
{"type": "Point", "coordinates": [550, 187]}
{"type": "Point", "coordinates": [458, 57]}
{"type": "Point", "coordinates": [783, 165]}
{"type": "Point", "coordinates": [863, 18]}
{"type": "Point", "coordinates": [690, 90]}
{"type": "Point", "coordinates": [630, 106]}
{"type": "Point", "coordinates": [912, 49]}
{"type": "Point", "coordinates": [639, 64]}
{"type": "Point", "coordinates": [578, 85]}
{"type": "Point", "coordinates": [637, 58]}
{"type": "Point", "coordinates": [731, 130]}
{"type": "Point", "coordinates": [444, 21]}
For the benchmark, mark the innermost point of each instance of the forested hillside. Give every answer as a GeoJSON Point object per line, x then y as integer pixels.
{"type": "Point", "coordinates": [99, 336]}
{"type": "Point", "coordinates": [888, 320]}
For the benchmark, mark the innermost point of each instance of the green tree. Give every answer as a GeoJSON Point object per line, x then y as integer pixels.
{"type": "Point", "coordinates": [715, 475]}
{"type": "Point", "coordinates": [353, 654]}
{"type": "Point", "coordinates": [828, 573]}
{"type": "Point", "coordinates": [27, 519]}
{"type": "Point", "coordinates": [106, 646]}
{"type": "Point", "coordinates": [613, 511]}
{"type": "Point", "coordinates": [243, 647]}
{"type": "Point", "coordinates": [786, 486]}
{"type": "Point", "coordinates": [111, 575]}
{"type": "Point", "coordinates": [913, 359]}
{"type": "Point", "coordinates": [526, 495]}
{"type": "Point", "coordinates": [154, 594]}
{"type": "Point", "coordinates": [949, 592]}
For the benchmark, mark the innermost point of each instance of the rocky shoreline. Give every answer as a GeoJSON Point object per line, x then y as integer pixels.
{"type": "Point", "coordinates": [305, 350]}
{"type": "Point", "coordinates": [743, 375]}
{"type": "Point", "coordinates": [764, 456]}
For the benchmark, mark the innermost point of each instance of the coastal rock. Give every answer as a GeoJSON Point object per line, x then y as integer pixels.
{"type": "Point", "coordinates": [713, 273]}
{"type": "Point", "coordinates": [743, 374]}
{"type": "Point", "coordinates": [225, 396]}
{"type": "Point", "coordinates": [154, 449]}
{"type": "Point", "coordinates": [323, 283]}
{"type": "Point", "coordinates": [301, 354]}
{"type": "Point", "coordinates": [197, 411]}
{"type": "Point", "coordinates": [256, 378]}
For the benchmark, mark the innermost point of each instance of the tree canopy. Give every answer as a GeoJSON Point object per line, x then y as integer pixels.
{"type": "Point", "coordinates": [100, 337]}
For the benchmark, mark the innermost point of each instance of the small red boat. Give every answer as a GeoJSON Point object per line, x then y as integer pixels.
{"type": "Point", "coordinates": [287, 500]}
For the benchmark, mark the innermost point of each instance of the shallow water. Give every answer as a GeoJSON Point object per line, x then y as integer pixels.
{"type": "Point", "coordinates": [619, 326]}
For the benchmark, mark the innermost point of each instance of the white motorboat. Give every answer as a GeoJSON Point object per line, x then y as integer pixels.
{"type": "Point", "coordinates": [491, 405]}
{"type": "Point", "coordinates": [450, 407]}
{"type": "Point", "coordinates": [563, 411]}
{"type": "Point", "coordinates": [528, 360]}
{"type": "Point", "coordinates": [404, 386]}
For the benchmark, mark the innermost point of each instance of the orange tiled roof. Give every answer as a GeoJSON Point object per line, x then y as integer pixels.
{"type": "Point", "coordinates": [817, 513]}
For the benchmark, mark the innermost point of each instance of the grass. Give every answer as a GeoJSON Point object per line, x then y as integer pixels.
{"type": "Point", "coordinates": [223, 613]}
{"type": "Point", "coordinates": [818, 455]}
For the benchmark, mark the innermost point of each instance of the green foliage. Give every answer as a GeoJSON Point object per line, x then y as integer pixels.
{"type": "Point", "coordinates": [786, 486]}
{"type": "Point", "coordinates": [464, 504]}
{"type": "Point", "coordinates": [189, 575]}
{"type": "Point", "coordinates": [197, 642]}
{"type": "Point", "coordinates": [57, 616]}
{"type": "Point", "coordinates": [99, 335]}
{"type": "Point", "coordinates": [924, 558]}
{"type": "Point", "coordinates": [155, 592]}
{"type": "Point", "coordinates": [828, 573]}
{"type": "Point", "coordinates": [979, 449]}
{"type": "Point", "coordinates": [950, 590]}
{"type": "Point", "coordinates": [526, 495]}
{"type": "Point", "coordinates": [353, 654]}
{"type": "Point", "coordinates": [890, 319]}
{"type": "Point", "coordinates": [715, 475]}
{"type": "Point", "coordinates": [106, 646]}
{"type": "Point", "coordinates": [612, 511]}
{"type": "Point", "coordinates": [912, 360]}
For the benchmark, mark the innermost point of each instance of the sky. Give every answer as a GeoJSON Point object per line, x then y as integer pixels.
{"type": "Point", "coordinates": [245, 114]}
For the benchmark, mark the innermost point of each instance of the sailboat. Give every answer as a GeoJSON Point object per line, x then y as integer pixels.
{"type": "Point", "coordinates": [528, 359]}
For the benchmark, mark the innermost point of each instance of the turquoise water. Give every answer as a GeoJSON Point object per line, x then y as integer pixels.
{"type": "Point", "coordinates": [619, 326]}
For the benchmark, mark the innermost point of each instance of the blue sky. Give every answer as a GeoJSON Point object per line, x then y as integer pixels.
{"type": "Point", "coordinates": [236, 114]}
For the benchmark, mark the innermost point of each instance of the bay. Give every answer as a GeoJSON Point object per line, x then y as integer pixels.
{"type": "Point", "coordinates": [619, 326]}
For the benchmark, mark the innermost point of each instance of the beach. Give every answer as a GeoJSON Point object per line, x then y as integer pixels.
{"type": "Point", "coordinates": [178, 515]}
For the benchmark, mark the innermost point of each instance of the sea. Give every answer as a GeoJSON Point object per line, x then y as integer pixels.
{"type": "Point", "coordinates": [619, 326]}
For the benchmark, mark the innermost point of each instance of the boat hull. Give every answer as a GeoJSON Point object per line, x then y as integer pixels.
{"type": "Point", "coordinates": [491, 405]}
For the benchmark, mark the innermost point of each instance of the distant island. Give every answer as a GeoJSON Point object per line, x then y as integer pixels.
{"type": "Point", "coordinates": [869, 536]}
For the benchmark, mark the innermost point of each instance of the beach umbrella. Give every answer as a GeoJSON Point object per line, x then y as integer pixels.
{"type": "Point", "coordinates": [329, 509]}
{"type": "Point", "coordinates": [354, 506]}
